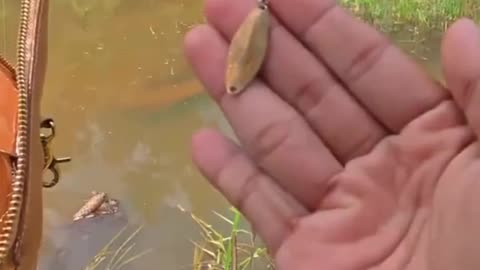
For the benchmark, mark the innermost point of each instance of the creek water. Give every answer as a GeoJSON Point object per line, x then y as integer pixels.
{"type": "Point", "coordinates": [126, 104]}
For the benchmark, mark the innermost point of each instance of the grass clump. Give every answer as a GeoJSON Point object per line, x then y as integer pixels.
{"type": "Point", "coordinates": [114, 259]}
{"type": "Point", "coordinates": [423, 15]}
{"type": "Point", "coordinates": [235, 250]}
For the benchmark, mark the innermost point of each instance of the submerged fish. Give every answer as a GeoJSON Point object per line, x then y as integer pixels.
{"type": "Point", "coordinates": [91, 206]}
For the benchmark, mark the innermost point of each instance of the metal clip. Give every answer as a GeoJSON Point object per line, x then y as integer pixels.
{"type": "Point", "coordinates": [50, 160]}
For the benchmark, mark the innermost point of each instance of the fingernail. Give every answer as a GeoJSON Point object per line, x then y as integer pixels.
{"type": "Point", "coordinates": [473, 29]}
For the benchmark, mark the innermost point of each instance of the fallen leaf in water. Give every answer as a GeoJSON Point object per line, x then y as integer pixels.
{"type": "Point", "coordinates": [247, 50]}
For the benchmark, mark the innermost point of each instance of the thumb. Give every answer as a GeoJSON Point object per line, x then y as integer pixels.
{"type": "Point", "coordinates": [461, 65]}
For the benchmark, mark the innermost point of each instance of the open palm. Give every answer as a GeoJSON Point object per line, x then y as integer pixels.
{"type": "Point", "coordinates": [351, 156]}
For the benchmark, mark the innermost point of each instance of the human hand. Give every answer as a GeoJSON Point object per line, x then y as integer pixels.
{"type": "Point", "coordinates": [351, 156]}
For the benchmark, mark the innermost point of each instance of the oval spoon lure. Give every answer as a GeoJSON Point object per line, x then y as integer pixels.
{"type": "Point", "coordinates": [248, 49]}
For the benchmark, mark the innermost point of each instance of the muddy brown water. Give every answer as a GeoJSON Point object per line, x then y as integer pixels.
{"type": "Point", "coordinates": [126, 104]}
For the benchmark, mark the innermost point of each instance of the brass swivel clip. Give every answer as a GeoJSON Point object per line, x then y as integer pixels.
{"type": "Point", "coordinates": [50, 160]}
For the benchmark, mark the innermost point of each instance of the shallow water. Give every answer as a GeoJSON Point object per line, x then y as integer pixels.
{"type": "Point", "coordinates": [126, 104]}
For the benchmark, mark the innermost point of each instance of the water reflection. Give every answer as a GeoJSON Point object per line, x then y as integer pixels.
{"type": "Point", "coordinates": [115, 71]}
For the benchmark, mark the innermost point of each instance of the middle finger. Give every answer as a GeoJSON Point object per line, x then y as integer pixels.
{"type": "Point", "coordinates": [295, 74]}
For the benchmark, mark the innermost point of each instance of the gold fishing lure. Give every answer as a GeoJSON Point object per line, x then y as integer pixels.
{"type": "Point", "coordinates": [248, 49]}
